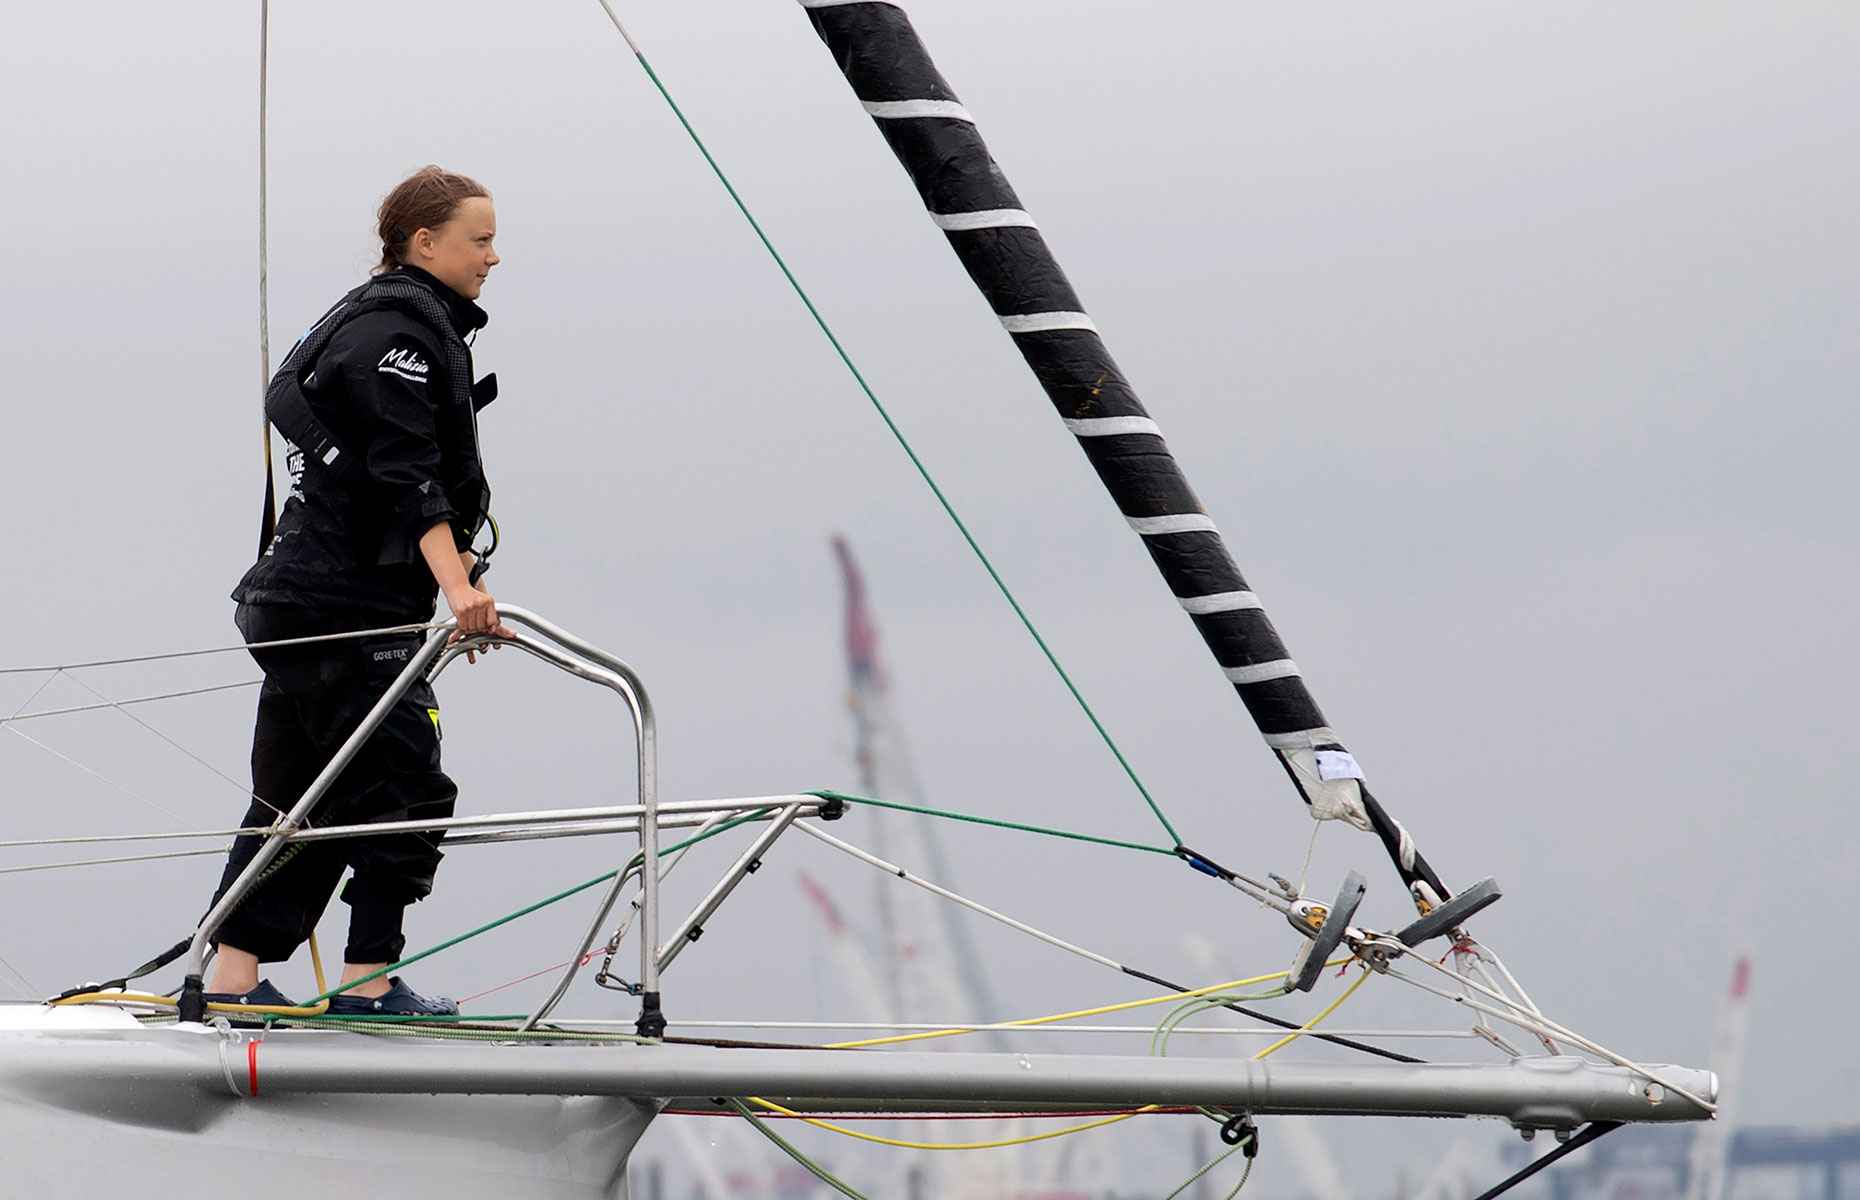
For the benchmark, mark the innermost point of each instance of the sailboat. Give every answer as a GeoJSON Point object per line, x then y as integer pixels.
{"type": "Point", "coordinates": [101, 1086]}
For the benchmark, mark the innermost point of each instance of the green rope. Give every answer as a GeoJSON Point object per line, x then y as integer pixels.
{"type": "Point", "coordinates": [819, 1172]}
{"type": "Point", "coordinates": [1159, 1038]}
{"type": "Point", "coordinates": [403, 1028]}
{"type": "Point", "coordinates": [899, 435]}
{"type": "Point", "coordinates": [1214, 1162]}
{"type": "Point", "coordinates": [995, 821]}
{"type": "Point", "coordinates": [528, 909]}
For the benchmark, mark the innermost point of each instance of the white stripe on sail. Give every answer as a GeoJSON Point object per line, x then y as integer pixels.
{"type": "Point", "coordinates": [1261, 672]}
{"type": "Point", "coordinates": [987, 218]}
{"type": "Point", "coordinates": [1301, 739]}
{"type": "Point", "coordinates": [1043, 322]}
{"type": "Point", "coordinates": [897, 110]}
{"type": "Point", "coordinates": [1174, 523]}
{"type": "Point", "coordinates": [1111, 426]}
{"type": "Point", "coordinates": [1217, 602]}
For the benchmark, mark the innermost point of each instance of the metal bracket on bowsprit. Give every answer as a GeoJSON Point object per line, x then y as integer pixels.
{"type": "Point", "coordinates": [1325, 928]}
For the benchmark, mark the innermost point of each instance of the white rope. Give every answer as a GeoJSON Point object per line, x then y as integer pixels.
{"type": "Point", "coordinates": [80, 708]}
{"type": "Point", "coordinates": [1474, 952]}
{"type": "Point", "coordinates": [615, 18]}
{"type": "Point", "coordinates": [383, 631]}
{"type": "Point", "coordinates": [1540, 1026]}
{"type": "Point", "coordinates": [1304, 872]}
{"type": "Point", "coordinates": [901, 873]}
{"type": "Point", "coordinates": [932, 1027]}
{"type": "Point", "coordinates": [100, 862]}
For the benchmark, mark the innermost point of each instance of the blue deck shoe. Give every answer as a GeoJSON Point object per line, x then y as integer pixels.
{"type": "Point", "coordinates": [399, 1001]}
{"type": "Point", "coordinates": [264, 994]}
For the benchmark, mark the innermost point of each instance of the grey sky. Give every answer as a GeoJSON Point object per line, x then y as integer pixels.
{"type": "Point", "coordinates": [1513, 348]}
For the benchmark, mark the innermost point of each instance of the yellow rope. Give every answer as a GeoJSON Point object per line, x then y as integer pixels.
{"type": "Point", "coordinates": [1067, 1016]}
{"type": "Point", "coordinates": [276, 1010]}
{"type": "Point", "coordinates": [316, 964]}
{"type": "Point", "coordinates": [1307, 1027]}
{"type": "Point", "coordinates": [885, 1141]}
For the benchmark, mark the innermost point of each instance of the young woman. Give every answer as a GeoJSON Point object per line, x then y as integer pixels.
{"type": "Point", "coordinates": [388, 491]}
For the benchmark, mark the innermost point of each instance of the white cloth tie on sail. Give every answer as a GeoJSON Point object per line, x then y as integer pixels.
{"type": "Point", "coordinates": [1111, 426]}
{"type": "Point", "coordinates": [1302, 739]}
{"type": "Point", "coordinates": [1046, 322]}
{"type": "Point", "coordinates": [987, 218]}
{"type": "Point", "coordinates": [1173, 523]}
{"type": "Point", "coordinates": [1283, 668]}
{"type": "Point", "coordinates": [900, 110]}
{"type": "Point", "coordinates": [1218, 602]}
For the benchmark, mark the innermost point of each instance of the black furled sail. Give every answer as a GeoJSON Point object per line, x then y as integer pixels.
{"type": "Point", "coordinates": [970, 199]}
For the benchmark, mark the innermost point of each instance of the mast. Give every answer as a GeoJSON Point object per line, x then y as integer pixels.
{"type": "Point", "coordinates": [970, 199]}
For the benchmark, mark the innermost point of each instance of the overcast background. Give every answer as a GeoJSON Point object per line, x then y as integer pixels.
{"type": "Point", "coordinates": [1513, 347]}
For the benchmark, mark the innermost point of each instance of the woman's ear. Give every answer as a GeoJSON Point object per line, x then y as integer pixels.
{"type": "Point", "coordinates": [421, 242]}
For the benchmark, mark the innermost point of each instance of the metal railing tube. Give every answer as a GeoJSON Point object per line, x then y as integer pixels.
{"type": "Point", "coordinates": [559, 816]}
{"type": "Point", "coordinates": [747, 862]}
{"type": "Point", "coordinates": [600, 919]}
{"type": "Point", "coordinates": [192, 1004]}
{"type": "Point", "coordinates": [651, 1019]}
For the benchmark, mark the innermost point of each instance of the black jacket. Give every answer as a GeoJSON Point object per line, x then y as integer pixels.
{"type": "Point", "coordinates": [348, 543]}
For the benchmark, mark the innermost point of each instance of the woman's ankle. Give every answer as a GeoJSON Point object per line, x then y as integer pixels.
{"type": "Point", "coordinates": [378, 986]}
{"type": "Point", "coordinates": [235, 971]}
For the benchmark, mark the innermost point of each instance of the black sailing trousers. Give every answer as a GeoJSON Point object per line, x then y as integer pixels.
{"type": "Point", "coordinates": [313, 697]}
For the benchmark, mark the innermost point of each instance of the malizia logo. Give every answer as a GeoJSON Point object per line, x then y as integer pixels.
{"type": "Point", "coordinates": [405, 363]}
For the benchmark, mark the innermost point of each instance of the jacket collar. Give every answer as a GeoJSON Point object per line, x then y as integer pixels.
{"type": "Point", "coordinates": [466, 315]}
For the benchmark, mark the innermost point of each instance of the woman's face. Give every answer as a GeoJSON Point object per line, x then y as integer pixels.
{"type": "Point", "coordinates": [459, 253]}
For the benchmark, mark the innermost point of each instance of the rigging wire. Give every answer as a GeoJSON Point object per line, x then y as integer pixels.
{"type": "Point", "coordinates": [246, 831]}
{"type": "Point", "coordinates": [908, 877]}
{"type": "Point", "coordinates": [268, 520]}
{"type": "Point", "coordinates": [382, 631]}
{"type": "Point", "coordinates": [100, 862]}
{"type": "Point", "coordinates": [83, 708]}
{"type": "Point", "coordinates": [1590, 1133]}
{"type": "Point", "coordinates": [892, 425]}
{"type": "Point", "coordinates": [132, 794]}
{"type": "Point", "coordinates": [243, 790]}
{"type": "Point", "coordinates": [31, 992]}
